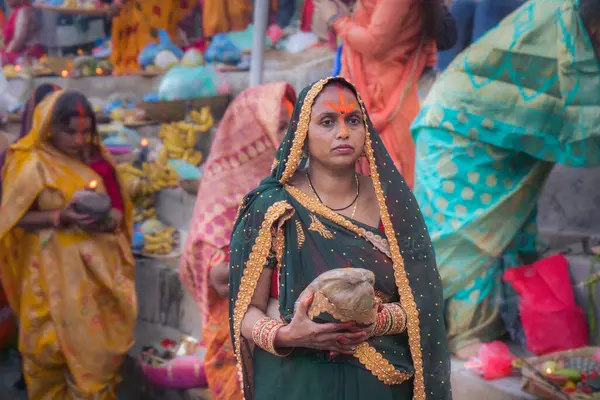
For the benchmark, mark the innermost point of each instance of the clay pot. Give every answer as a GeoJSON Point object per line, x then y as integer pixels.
{"type": "Point", "coordinates": [96, 205]}
{"type": "Point", "coordinates": [344, 295]}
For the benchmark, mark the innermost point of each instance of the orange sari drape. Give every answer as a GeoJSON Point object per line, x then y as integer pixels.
{"type": "Point", "coordinates": [241, 155]}
{"type": "Point", "coordinates": [220, 16]}
{"type": "Point", "coordinates": [384, 55]}
{"type": "Point", "coordinates": [137, 25]}
{"type": "Point", "coordinates": [73, 291]}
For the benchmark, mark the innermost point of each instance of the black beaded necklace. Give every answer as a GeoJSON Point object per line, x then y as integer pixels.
{"type": "Point", "coordinates": [335, 209]}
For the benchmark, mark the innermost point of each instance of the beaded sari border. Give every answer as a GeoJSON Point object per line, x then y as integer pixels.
{"type": "Point", "coordinates": [252, 271]}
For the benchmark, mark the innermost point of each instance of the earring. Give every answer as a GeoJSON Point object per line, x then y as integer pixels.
{"type": "Point", "coordinates": [304, 155]}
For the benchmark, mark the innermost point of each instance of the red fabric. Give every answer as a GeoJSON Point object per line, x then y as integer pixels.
{"type": "Point", "coordinates": [36, 51]}
{"type": "Point", "coordinates": [307, 16]}
{"type": "Point", "coordinates": [8, 323]}
{"type": "Point", "coordinates": [106, 172]}
{"type": "Point", "coordinates": [11, 25]}
{"type": "Point", "coordinates": [551, 319]}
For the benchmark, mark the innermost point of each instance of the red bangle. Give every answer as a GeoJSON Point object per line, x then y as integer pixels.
{"type": "Point", "coordinates": [264, 332]}
{"type": "Point", "coordinates": [391, 320]}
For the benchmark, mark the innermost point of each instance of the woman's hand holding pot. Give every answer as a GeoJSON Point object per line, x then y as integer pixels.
{"type": "Point", "coordinates": [331, 337]}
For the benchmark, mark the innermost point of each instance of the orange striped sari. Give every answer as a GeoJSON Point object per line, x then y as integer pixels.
{"type": "Point", "coordinates": [241, 155]}
{"type": "Point", "coordinates": [384, 55]}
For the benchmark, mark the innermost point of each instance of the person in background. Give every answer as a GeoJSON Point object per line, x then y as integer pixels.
{"type": "Point", "coordinates": [220, 16]}
{"type": "Point", "coordinates": [474, 18]}
{"type": "Point", "coordinates": [487, 138]}
{"type": "Point", "coordinates": [68, 278]}
{"type": "Point", "coordinates": [39, 94]}
{"type": "Point", "coordinates": [388, 44]}
{"type": "Point", "coordinates": [241, 154]}
{"type": "Point", "coordinates": [136, 24]}
{"type": "Point", "coordinates": [21, 33]}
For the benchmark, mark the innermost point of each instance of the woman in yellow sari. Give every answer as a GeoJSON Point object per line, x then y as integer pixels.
{"type": "Point", "coordinates": [68, 278]}
{"type": "Point", "coordinates": [137, 25]}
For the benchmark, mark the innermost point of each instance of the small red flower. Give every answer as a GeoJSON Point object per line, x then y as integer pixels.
{"type": "Point", "coordinates": [168, 343]}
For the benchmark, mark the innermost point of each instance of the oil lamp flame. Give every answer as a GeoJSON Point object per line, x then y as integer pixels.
{"type": "Point", "coordinates": [144, 142]}
{"type": "Point", "coordinates": [17, 68]}
{"type": "Point", "coordinates": [99, 71]}
{"type": "Point", "coordinates": [93, 185]}
{"type": "Point", "coordinates": [548, 370]}
{"type": "Point", "coordinates": [64, 73]}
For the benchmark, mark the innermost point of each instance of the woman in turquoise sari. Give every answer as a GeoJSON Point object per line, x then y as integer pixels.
{"type": "Point", "coordinates": [521, 99]}
{"type": "Point", "coordinates": [314, 214]}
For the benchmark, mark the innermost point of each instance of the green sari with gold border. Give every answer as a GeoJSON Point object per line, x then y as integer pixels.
{"type": "Point", "coordinates": [281, 226]}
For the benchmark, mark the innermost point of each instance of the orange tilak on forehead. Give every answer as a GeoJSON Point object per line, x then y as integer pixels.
{"type": "Point", "coordinates": [343, 108]}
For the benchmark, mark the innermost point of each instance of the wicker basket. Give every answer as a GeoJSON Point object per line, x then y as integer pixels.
{"type": "Point", "coordinates": [169, 111]}
{"type": "Point", "coordinates": [535, 386]}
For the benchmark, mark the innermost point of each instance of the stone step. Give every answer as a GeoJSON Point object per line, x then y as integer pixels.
{"type": "Point", "coordinates": [162, 298]}
{"type": "Point", "coordinates": [299, 70]}
{"type": "Point", "coordinates": [175, 207]}
{"type": "Point", "coordinates": [570, 202]}
{"type": "Point", "coordinates": [468, 386]}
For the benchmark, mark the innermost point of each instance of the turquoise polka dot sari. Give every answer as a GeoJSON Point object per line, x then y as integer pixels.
{"type": "Point", "coordinates": [522, 98]}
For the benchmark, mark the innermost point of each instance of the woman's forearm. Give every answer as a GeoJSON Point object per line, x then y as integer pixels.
{"type": "Point", "coordinates": [36, 220]}
{"type": "Point", "coordinates": [258, 306]}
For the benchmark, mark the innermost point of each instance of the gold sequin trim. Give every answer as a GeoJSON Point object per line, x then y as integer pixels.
{"type": "Point", "coordinates": [377, 241]}
{"type": "Point", "coordinates": [317, 226]}
{"type": "Point", "coordinates": [379, 366]}
{"type": "Point", "coordinates": [300, 135]}
{"type": "Point", "coordinates": [407, 299]}
{"type": "Point", "coordinates": [252, 271]}
{"type": "Point", "coordinates": [300, 234]}
{"type": "Point", "coordinates": [321, 304]}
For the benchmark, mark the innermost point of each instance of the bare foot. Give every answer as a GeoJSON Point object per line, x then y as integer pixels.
{"type": "Point", "coordinates": [468, 352]}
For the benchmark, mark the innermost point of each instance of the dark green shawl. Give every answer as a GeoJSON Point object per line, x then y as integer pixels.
{"type": "Point", "coordinates": [309, 239]}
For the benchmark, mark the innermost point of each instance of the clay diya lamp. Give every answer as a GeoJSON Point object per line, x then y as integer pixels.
{"type": "Point", "coordinates": [89, 202]}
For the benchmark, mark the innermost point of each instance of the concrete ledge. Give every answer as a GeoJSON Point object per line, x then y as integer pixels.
{"type": "Point", "coordinates": [468, 386]}
{"type": "Point", "coordinates": [298, 69]}
{"type": "Point", "coordinates": [175, 207]}
{"type": "Point", "coordinates": [163, 300]}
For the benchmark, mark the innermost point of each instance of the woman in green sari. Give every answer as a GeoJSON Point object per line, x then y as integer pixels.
{"type": "Point", "coordinates": [523, 97]}
{"type": "Point", "coordinates": [314, 214]}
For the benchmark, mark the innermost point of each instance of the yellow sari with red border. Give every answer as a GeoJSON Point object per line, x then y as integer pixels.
{"type": "Point", "coordinates": [73, 291]}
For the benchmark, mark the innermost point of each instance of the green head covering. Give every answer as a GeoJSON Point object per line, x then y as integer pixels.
{"type": "Point", "coordinates": [281, 226]}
